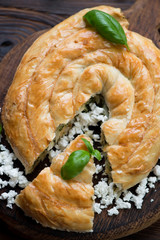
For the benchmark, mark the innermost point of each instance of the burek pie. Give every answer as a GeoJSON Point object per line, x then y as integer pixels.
{"type": "Point", "coordinates": [60, 204]}
{"type": "Point", "coordinates": [68, 65]}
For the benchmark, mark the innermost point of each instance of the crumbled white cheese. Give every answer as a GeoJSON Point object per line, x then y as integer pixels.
{"type": "Point", "coordinates": [3, 183]}
{"type": "Point", "coordinates": [138, 200]}
{"type": "Point", "coordinates": [53, 154]}
{"type": "Point", "coordinates": [22, 180]}
{"type": "Point", "coordinates": [120, 204]}
{"type": "Point", "coordinates": [97, 208]}
{"type": "Point", "coordinates": [127, 195]}
{"type": "Point", "coordinates": [113, 211]}
{"type": "Point", "coordinates": [96, 137]}
{"type": "Point", "coordinates": [99, 168]}
{"type": "Point", "coordinates": [15, 176]}
{"type": "Point", "coordinates": [152, 179]}
{"type": "Point", "coordinates": [151, 185]}
{"type": "Point", "coordinates": [10, 197]}
{"type": "Point", "coordinates": [101, 189]}
{"type": "Point", "coordinates": [112, 194]}
{"type": "Point", "coordinates": [142, 187]}
{"type": "Point", "coordinates": [80, 125]}
{"type": "Point", "coordinates": [156, 171]}
{"type": "Point", "coordinates": [63, 142]}
{"type": "Point", "coordinates": [107, 193]}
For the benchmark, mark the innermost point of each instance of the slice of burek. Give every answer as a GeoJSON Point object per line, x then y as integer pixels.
{"type": "Point", "coordinates": [57, 203]}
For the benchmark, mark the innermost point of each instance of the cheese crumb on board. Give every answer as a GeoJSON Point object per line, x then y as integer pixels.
{"type": "Point", "coordinates": [10, 197]}
{"type": "Point", "coordinates": [14, 175]}
{"type": "Point", "coordinates": [110, 194]}
{"type": "Point", "coordinates": [156, 171]}
{"type": "Point", "coordinates": [113, 211]}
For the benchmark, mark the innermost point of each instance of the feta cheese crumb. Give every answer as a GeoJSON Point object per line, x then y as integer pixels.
{"type": "Point", "coordinates": [156, 171]}
{"type": "Point", "coordinates": [22, 181]}
{"type": "Point", "coordinates": [151, 185]}
{"type": "Point", "coordinates": [97, 208]}
{"type": "Point", "coordinates": [113, 211]}
{"type": "Point", "coordinates": [99, 168]}
{"type": "Point", "coordinates": [10, 197]}
{"type": "Point", "coordinates": [3, 183]}
{"type": "Point", "coordinates": [127, 195]}
{"type": "Point", "coordinates": [15, 176]}
{"type": "Point", "coordinates": [121, 204]}
{"type": "Point", "coordinates": [152, 179]}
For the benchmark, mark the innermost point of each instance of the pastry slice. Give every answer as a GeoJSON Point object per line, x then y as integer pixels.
{"type": "Point", "coordinates": [57, 203]}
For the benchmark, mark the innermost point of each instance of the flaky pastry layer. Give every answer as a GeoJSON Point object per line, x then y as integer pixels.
{"type": "Point", "coordinates": [57, 203]}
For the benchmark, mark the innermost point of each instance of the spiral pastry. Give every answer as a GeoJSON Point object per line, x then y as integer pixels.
{"type": "Point", "coordinates": [68, 65]}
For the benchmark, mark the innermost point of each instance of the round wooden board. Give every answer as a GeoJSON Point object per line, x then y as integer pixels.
{"type": "Point", "coordinates": [105, 227]}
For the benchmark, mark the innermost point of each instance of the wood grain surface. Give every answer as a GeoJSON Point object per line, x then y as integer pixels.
{"type": "Point", "coordinates": [63, 7]}
{"type": "Point", "coordinates": [15, 26]}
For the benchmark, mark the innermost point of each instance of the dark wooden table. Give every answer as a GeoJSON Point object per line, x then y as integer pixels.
{"type": "Point", "coordinates": [21, 18]}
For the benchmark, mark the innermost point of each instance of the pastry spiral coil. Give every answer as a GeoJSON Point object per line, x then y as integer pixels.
{"type": "Point", "coordinates": [62, 70]}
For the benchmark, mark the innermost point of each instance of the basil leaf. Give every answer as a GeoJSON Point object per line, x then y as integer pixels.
{"type": "Point", "coordinates": [107, 26]}
{"type": "Point", "coordinates": [75, 164]}
{"type": "Point", "coordinates": [96, 154]}
{"type": "Point", "coordinates": [88, 145]}
{"type": "Point", "coordinates": [93, 151]}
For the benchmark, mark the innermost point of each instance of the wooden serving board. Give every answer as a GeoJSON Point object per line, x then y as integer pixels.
{"type": "Point", "coordinates": [144, 17]}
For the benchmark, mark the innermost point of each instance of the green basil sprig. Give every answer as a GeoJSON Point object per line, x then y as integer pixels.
{"type": "Point", "coordinates": [107, 26]}
{"type": "Point", "coordinates": [78, 160]}
{"type": "Point", "coordinates": [92, 151]}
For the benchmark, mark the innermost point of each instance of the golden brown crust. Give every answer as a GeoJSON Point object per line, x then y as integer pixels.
{"type": "Point", "coordinates": [76, 63]}
{"type": "Point", "coordinates": [139, 145]}
{"type": "Point", "coordinates": [60, 204]}
{"type": "Point", "coordinates": [25, 101]}
{"type": "Point", "coordinates": [26, 112]}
